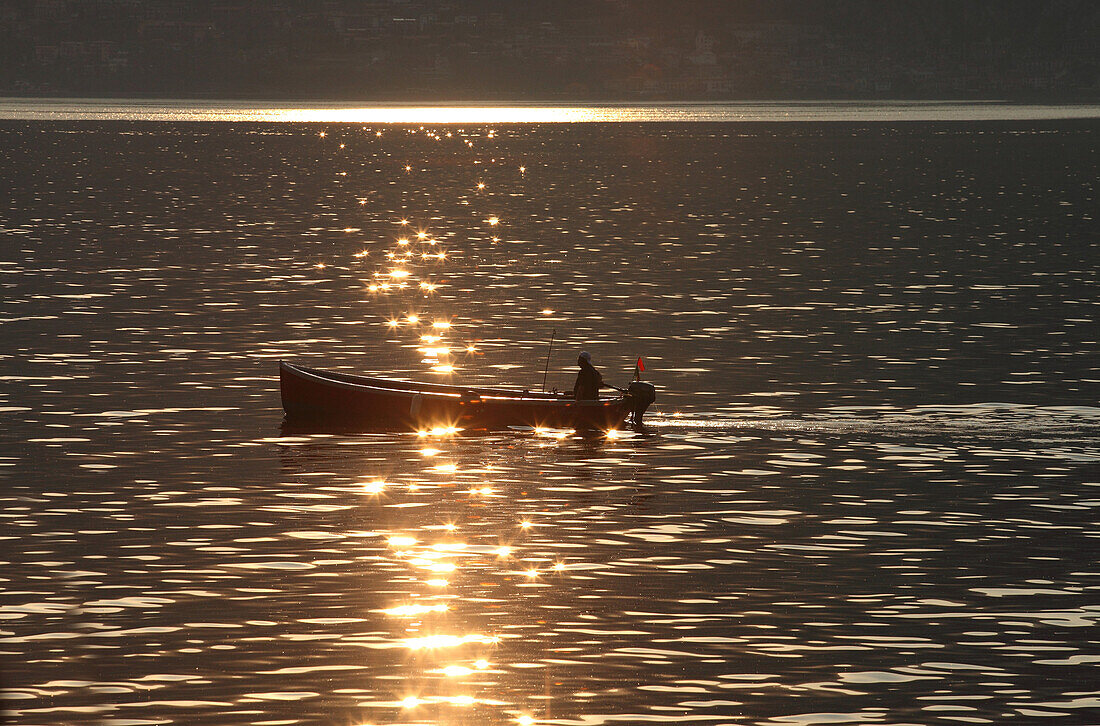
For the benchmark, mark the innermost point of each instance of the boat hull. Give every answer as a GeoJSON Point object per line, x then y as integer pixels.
{"type": "Point", "coordinates": [318, 398]}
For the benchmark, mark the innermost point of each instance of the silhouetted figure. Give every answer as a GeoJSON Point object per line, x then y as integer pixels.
{"type": "Point", "coordinates": [589, 380]}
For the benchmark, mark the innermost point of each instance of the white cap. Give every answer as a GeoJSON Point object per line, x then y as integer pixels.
{"type": "Point", "coordinates": [586, 355]}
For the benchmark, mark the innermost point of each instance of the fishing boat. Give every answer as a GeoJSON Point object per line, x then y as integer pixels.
{"type": "Point", "coordinates": [329, 398]}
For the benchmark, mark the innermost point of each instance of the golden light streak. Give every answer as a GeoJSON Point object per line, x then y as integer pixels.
{"type": "Point", "coordinates": [433, 642]}
{"type": "Point", "coordinates": [503, 551]}
{"type": "Point", "coordinates": [374, 487]}
{"type": "Point", "coordinates": [400, 541]}
{"type": "Point", "coordinates": [493, 221]}
{"type": "Point", "coordinates": [459, 114]}
{"type": "Point", "coordinates": [454, 671]}
{"type": "Point", "coordinates": [443, 369]}
{"type": "Point", "coordinates": [405, 611]}
{"type": "Point", "coordinates": [441, 325]}
{"type": "Point", "coordinates": [410, 702]}
{"type": "Point", "coordinates": [414, 319]}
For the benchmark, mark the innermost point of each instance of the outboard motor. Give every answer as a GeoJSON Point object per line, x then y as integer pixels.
{"type": "Point", "coordinates": [641, 395]}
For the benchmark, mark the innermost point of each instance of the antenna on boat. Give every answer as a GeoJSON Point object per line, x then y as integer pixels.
{"type": "Point", "coordinates": [547, 368]}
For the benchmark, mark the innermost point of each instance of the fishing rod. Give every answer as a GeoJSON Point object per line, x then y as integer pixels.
{"type": "Point", "coordinates": [547, 368]}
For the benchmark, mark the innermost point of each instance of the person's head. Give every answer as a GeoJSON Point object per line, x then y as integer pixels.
{"type": "Point", "coordinates": [584, 357]}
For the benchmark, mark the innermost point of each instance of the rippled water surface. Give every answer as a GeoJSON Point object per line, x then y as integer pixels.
{"type": "Point", "coordinates": [867, 493]}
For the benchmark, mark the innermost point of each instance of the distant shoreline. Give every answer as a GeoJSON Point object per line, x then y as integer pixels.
{"type": "Point", "coordinates": [757, 111]}
{"type": "Point", "coordinates": [506, 100]}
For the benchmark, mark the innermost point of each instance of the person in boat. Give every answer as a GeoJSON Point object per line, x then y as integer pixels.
{"type": "Point", "coordinates": [589, 380]}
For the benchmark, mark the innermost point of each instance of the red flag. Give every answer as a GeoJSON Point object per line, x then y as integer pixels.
{"type": "Point", "coordinates": [640, 365]}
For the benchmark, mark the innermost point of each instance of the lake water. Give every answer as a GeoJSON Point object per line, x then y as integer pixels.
{"type": "Point", "coordinates": [867, 494]}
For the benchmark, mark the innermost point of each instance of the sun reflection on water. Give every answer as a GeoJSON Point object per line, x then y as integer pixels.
{"type": "Point", "coordinates": [441, 568]}
{"type": "Point", "coordinates": [375, 487]}
{"type": "Point", "coordinates": [454, 671]}
{"type": "Point", "coordinates": [439, 431]}
{"type": "Point", "coordinates": [432, 642]}
{"type": "Point", "coordinates": [407, 611]}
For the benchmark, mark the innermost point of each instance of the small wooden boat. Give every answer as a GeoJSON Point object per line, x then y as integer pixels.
{"type": "Point", "coordinates": [346, 401]}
